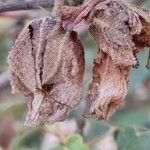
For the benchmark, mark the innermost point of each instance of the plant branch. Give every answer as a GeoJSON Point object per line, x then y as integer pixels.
{"type": "Point", "coordinates": [15, 6]}
{"type": "Point", "coordinates": [58, 4]}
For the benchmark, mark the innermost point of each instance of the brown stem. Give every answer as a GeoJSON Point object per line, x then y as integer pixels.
{"type": "Point", "coordinates": [58, 4]}
{"type": "Point", "coordinates": [15, 6]}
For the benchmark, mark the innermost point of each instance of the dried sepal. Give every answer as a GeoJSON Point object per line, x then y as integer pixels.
{"type": "Point", "coordinates": [113, 42]}
{"type": "Point", "coordinates": [108, 87]}
{"type": "Point", "coordinates": [127, 26]}
{"type": "Point", "coordinates": [143, 39]}
{"type": "Point", "coordinates": [46, 66]}
{"type": "Point", "coordinates": [113, 25]}
{"type": "Point", "coordinates": [141, 12]}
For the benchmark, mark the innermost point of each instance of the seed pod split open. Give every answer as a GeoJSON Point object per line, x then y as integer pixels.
{"type": "Point", "coordinates": [46, 66]}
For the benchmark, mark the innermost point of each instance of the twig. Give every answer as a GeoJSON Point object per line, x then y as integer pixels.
{"type": "Point", "coordinates": [15, 6]}
{"type": "Point", "coordinates": [58, 4]}
{"type": "Point", "coordinates": [80, 124]}
{"type": "Point", "coordinates": [80, 120]}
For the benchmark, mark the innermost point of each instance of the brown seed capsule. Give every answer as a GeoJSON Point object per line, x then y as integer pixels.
{"type": "Point", "coordinates": [46, 66]}
{"type": "Point", "coordinates": [120, 32]}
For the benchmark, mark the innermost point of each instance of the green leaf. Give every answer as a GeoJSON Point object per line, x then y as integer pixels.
{"type": "Point", "coordinates": [138, 117]}
{"type": "Point", "coordinates": [13, 109]}
{"type": "Point", "coordinates": [58, 147]}
{"type": "Point", "coordinates": [97, 129]}
{"type": "Point", "coordinates": [132, 139]}
{"type": "Point", "coordinates": [75, 142]}
{"type": "Point", "coordinates": [147, 4]}
{"type": "Point", "coordinates": [31, 139]}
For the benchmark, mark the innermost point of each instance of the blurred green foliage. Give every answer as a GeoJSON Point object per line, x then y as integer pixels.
{"type": "Point", "coordinates": [73, 142]}
{"type": "Point", "coordinates": [4, 48]}
{"type": "Point", "coordinates": [133, 139]}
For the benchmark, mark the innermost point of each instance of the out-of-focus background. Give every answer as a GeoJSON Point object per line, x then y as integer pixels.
{"type": "Point", "coordinates": [128, 129]}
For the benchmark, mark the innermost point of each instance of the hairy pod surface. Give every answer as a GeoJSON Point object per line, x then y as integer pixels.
{"type": "Point", "coordinates": [46, 66]}
{"type": "Point", "coordinates": [119, 30]}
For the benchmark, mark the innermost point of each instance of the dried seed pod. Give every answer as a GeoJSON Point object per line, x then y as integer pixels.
{"type": "Point", "coordinates": [46, 66]}
{"type": "Point", "coordinates": [120, 31]}
{"type": "Point", "coordinates": [108, 87]}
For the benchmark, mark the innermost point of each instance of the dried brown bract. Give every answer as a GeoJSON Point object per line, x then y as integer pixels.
{"type": "Point", "coordinates": [46, 66]}
{"type": "Point", "coordinates": [108, 87]}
